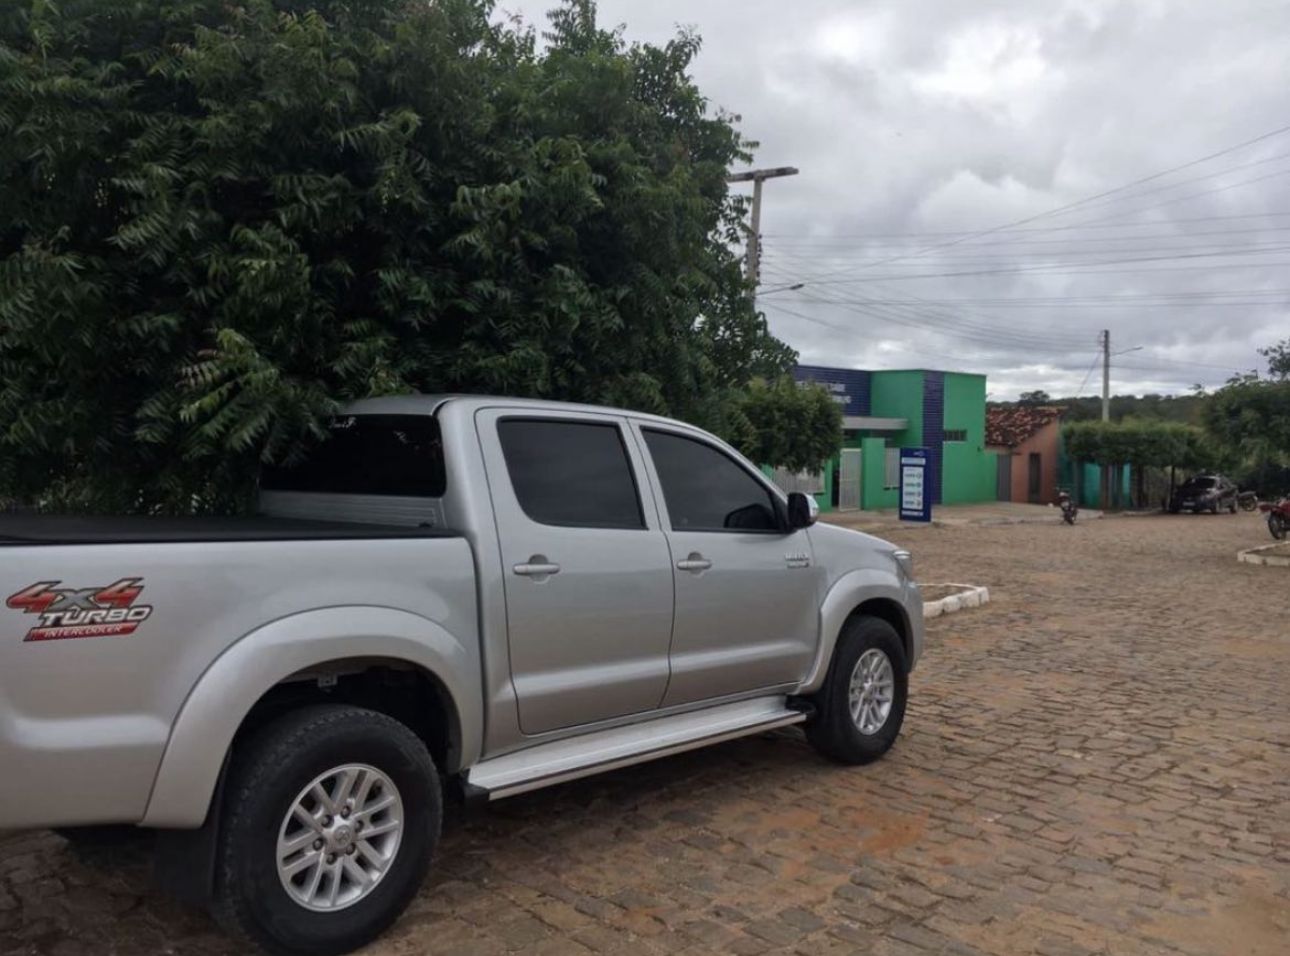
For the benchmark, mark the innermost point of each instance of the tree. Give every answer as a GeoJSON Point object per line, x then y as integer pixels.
{"type": "Point", "coordinates": [1278, 357]}
{"type": "Point", "coordinates": [1142, 444]}
{"type": "Point", "coordinates": [1037, 397]}
{"type": "Point", "coordinates": [1250, 417]}
{"type": "Point", "coordinates": [219, 220]}
{"type": "Point", "coordinates": [787, 423]}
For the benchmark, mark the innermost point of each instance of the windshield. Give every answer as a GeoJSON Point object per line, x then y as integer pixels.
{"type": "Point", "coordinates": [1200, 484]}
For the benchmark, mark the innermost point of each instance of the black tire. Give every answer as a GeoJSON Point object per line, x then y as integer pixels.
{"type": "Point", "coordinates": [1231, 509]}
{"type": "Point", "coordinates": [1277, 525]}
{"type": "Point", "coordinates": [267, 774]}
{"type": "Point", "coordinates": [832, 731]}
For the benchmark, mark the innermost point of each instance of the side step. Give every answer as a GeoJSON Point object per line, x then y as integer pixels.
{"type": "Point", "coordinates": [574, 757]}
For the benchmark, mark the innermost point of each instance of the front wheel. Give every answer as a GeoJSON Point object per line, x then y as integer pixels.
{"type": "Point", "coordinates": [1277, 525]}
{"type": "Point", "coordinates": [331, 817]}
{"type": "Point", "coordinates": [861, 706]}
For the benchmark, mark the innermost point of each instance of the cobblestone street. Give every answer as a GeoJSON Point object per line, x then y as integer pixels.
{"type": "Point", "coordinates": [1096, 762]}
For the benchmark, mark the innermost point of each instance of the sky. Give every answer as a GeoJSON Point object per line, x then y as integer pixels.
{"type": "Point", "coordinates": [952, 154]}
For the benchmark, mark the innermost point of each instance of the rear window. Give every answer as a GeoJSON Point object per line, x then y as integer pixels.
{"type": "Point", "coordinates": [571, 474]}
{"type": "Point", "coordinates": [369, 455]}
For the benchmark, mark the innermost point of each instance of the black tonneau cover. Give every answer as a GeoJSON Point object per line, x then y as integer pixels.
{"type": "Point", "coordinates": [32, 529]}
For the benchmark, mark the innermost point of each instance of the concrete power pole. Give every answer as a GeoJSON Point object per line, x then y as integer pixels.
{"type": "Point", "coordinates": [1106, 375]}
{"type": "Point", "coordinates": [757, 177]}
{"type": "Point", "coordinates": [1106, 411]}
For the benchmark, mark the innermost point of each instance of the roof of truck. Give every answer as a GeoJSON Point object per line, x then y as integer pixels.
{"type": "Point", "coordinates": [431, 404]}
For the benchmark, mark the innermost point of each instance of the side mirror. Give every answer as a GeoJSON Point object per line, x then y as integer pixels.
{"type": "Point", "coordinates": [802, 510]}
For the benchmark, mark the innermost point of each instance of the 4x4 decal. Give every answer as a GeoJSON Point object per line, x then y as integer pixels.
{"type": "Point", "coordinates": [82, 612]}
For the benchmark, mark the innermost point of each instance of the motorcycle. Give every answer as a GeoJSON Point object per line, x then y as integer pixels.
{"type": "Point", "coordinates": [1248, 500]}
{"type": "Point", "coordinates": [1278, 517]}
{"type": "Point", "coordinates": [1070, 510]}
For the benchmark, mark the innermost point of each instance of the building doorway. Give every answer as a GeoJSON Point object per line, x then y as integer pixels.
{"type": "Point", "coordinates": [1003, 479]}
{"type": "Point", "coordinates": [1036, 477]}
{"type": "Point", "coordinates": [849, 480]}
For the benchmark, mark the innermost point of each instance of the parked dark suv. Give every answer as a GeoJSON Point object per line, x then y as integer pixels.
{"type": "Point", "coordinates": [1204, 493]}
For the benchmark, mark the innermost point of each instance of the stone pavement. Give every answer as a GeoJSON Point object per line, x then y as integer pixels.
{"type": "Point", "coordinates": [1096, 762]}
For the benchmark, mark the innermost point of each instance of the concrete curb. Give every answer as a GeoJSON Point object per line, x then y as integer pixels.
{"type": "Point", "coordinates": [972, 595]}
{"type": "Point", "coordinates": [1256, 555]}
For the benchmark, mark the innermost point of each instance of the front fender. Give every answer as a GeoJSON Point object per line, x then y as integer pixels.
{"type": "Point", "coordinates": [849, 592]}
{"type": "Point", "coordinates": [230, 687]}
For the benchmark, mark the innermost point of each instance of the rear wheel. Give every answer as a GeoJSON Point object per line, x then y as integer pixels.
{"type": "Point", "coordinates": [331, 817]}
{"type": "Point", "coordinates": [860, 708]}
{"type": "Point", "coordinates": [1277, 525]}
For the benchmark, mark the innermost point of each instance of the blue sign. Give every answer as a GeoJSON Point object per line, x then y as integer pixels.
{"type": "Point", "coordinates": [915, 488]}
{"type": "Point", "coordinates": [849, 387]}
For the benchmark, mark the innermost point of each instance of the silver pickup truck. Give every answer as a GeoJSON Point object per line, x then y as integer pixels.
{"type": "Point", "coordinates": [453, 596]}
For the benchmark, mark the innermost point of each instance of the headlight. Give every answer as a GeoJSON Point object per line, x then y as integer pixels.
{"type": "Point", "coordinates": [904, 561]}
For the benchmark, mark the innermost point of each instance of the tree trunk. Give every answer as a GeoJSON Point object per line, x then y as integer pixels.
{"type": "Point", "coordinates": [1142, 488]}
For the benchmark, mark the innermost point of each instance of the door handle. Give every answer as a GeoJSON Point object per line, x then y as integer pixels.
{"type": "Point", "coordinates": [538, 567]}
{"type": "Point", "coordinates": [694, 563]}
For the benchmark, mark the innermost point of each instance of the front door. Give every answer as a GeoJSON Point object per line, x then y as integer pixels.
{"type": "Point", "coordinates": [587, 569]}
{"type": "Point", "coordinates": [1003, 482]}
{"type": "Point", "coordinates": [849, 480]}
{"type": "Point", "coordinates": [747, 592]}
{"type": "Point", "coordinates": [1036, 477]}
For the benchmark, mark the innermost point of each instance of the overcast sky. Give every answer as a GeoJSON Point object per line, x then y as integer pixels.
{"type": "Point", "coordinates": [918, 124]}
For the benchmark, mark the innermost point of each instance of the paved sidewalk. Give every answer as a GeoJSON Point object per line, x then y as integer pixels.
{"type": "Point", "coordinates": [1096, 762]}
{"type": "Point", "coordinates": [956, 516]}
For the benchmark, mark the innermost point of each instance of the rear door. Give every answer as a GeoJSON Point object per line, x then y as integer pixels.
{"type": "Point", "coordinates": [586, 565]}
{"type": "Point", "coordinates": [747, 591]}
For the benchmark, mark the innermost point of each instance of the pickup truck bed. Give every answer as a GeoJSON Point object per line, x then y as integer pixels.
{"type": "Point", "coordinates": [36, 530]}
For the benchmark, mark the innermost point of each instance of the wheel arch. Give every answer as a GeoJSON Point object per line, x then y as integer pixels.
{"type": "Point", "coordinates": [357, 653]}
{"type": "Point", "coordinates": [868, 591]}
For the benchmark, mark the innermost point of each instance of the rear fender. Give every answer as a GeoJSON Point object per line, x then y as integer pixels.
{"type": "Point", "coordinates": [231, 686]}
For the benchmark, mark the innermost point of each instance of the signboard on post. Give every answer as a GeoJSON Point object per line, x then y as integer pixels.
{"type": "Point", "coordinates": [915, 493]}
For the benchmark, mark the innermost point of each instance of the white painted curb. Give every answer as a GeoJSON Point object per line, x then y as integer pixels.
{"type": "Point", "coordinates": [971, 595]}
{"type": "Point", "coordinates": [1256, 555]}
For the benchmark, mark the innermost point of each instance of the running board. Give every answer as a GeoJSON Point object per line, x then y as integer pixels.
{"type": "Point", "coordinates": [582, 756]}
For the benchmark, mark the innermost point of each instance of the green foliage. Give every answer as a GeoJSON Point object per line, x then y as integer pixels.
{"type": "Point", "coordinates": [1278, 357]}
{"type": "Point", "coordinates": [786, 424]}
{"type": "Point", "coordinates": [219, 220]}
{"type": "Point", "coordinates": [1138, 443]}
{"type": "Point", "coordinates": [1250, 418]}
{"type": "Point", "coordinates": [1037, 397]}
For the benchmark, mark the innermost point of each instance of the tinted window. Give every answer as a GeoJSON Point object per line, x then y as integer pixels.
{"type": "Point", "coordinates": [369, 455]}
{"type": "Point", "coordinates": [706, 490]}
{"type": "Point", "coordinates": [571, 473]}
{"type": "Point", "coordinates": [1199, 484]}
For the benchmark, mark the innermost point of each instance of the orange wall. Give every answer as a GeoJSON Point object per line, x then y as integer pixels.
{"type": "Point", "coordinates": [1045, 443]}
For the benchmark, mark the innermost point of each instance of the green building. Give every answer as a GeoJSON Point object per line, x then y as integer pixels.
{"type": "Point", "coordinates": [886, 411]}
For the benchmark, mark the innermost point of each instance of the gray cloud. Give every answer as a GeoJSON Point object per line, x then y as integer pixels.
{"type": "Point", "coordinates": [915, 122]}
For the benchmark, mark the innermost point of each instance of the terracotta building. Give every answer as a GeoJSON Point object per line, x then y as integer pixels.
{"type": "Point", "coordinates": [1027, 439]}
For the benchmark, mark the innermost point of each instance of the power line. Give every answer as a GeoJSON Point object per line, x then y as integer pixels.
{"type": "Point", "coordinates": [1097, 357]}
{"type": "Point", "coordinates": [1082, 268]}
{"type": "Point", "coordinates": [1091, 199]}
{"type": "Point", "coordinates": [1043, 229]}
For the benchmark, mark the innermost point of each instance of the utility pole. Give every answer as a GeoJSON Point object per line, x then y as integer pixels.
{"type": "Point", "coordinates": [1106, 375]}
{"type": "Point", "coordinates": [757, 177]}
